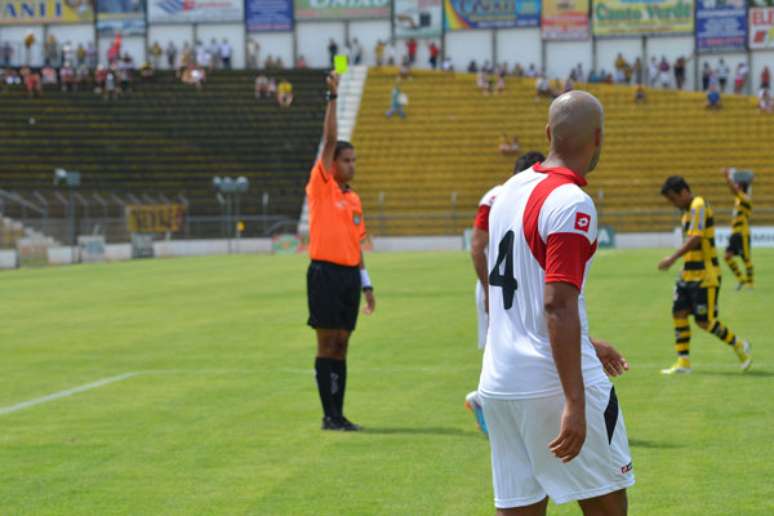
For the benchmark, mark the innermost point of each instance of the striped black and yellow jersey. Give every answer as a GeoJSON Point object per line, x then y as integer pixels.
{"type": "Point", "coordinates": [701, 264]}
{"type": "Point", "coordinates": [740, 223]}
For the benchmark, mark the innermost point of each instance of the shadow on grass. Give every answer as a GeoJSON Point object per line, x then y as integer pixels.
{"type": "Point", "coordinates": [644, 443]}
{"type": "Point", "coordinates": [738, 374]}
{"type": "Point", "coordinates": [421, 431]}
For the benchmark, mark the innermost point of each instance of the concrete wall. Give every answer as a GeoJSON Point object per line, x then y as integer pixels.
{"type": "Point", "coordinates": [563, 56]}
{"type": "Point", "coordinates": [608, 50]}
{"type": "Point", "coordinates": [519, 46]}
{"type": "Point", "coordinates": [312, 38]}
{"type": "Point", "coordinates": [369, 32]}
{"type": "Point", "coordinates": [275, 44]}
{"type": "Point", "coordinates": [178, 34]}
{"type": "Point", "coordinates": [462, 47]}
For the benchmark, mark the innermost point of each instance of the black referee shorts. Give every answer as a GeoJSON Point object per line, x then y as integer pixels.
{"type": "Point", "coordinates": [333, 294]}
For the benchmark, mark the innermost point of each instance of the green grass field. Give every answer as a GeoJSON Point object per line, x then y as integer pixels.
{"type": "Point", "coordinates": [222, 416]}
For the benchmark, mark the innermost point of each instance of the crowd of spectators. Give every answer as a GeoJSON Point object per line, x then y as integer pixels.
{"type": "Point", "coordinates": [268, 88]}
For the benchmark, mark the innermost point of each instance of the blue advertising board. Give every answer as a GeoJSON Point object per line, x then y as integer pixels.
{"type": "Point", "coordinates": [721, 25]}
{"type": "Point", "coordinates": [476, 14]}
{"type": "Point", "coordinates": [269, 15]}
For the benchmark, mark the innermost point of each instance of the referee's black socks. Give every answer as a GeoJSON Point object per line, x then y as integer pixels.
{"type": "Point", "coordinates": [331, 375]}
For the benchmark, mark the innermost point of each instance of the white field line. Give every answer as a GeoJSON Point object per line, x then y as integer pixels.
{"type": "Point", "coordinates": [65, 393]}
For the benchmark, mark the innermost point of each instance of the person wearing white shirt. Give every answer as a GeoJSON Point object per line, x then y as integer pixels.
{"type": "Point", "coordinates": [225, 54]}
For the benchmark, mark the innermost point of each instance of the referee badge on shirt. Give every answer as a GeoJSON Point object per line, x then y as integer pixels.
{"type": "Point", "coordinates": [357, 218]}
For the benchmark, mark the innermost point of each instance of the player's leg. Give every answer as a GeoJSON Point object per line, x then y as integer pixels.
{"type": "Point", "coordinates": [682, 330]}
{"type": "Point", "coordinates": [516, 488]}
{"type": "Point", "coordinates": [340, 378]}
{"type": "Point", "coordinates": [707, 319]}
{"type": "Point", "coordinates": [611, 504]}
{"type": "Point", "coordinates": [733, 250]}
{"type": "Point", "coordinates": [349, 306]}
{"type": "Point", "coordinates": [324, 367]}
{"type": "Point", "coordinates": [472, 401]}
{"type": "Point", "coordinates": [746, 257]}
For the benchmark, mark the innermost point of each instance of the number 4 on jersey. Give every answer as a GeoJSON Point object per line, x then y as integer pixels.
{"type": "Point", "coordinates": [506, 281]}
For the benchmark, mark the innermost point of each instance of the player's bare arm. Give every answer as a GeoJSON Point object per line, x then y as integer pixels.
{"type": "Point", "coordinates": [478, 244]}
{"type": "Point", "coordinates": [368, 289]}
{"type": "Point", "coordinates": [330, 129]}
{"type": "Point", "coordinates": [564, 332]}
{"type": "Point", "coordinates": [690, 244]}
{"type": "Point", "coordinates": [612, 360]}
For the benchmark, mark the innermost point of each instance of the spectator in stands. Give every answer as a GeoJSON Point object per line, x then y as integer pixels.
{"type": "Point", "coordinates": [147, 72]}
{"type": "Point", "coordinates": [639, 95]}
{"type": "Point", "coordinates": [679, 69]}
{"type": "Point", "coordinates": [253, 54]}
{"type": "Point", "coordinates": [202, 54]}
{"type": "Point", "coordinates": [301, 62]}
{"type": "Point", "coordinates": [518, 70]}
{"type": "Point", "coordinates": [447, 65]}
{"type": "Point", "coordinates": [663, 72]}
{"type": "Point", "coordinates": [100, 76]}
{"type": "Point", "coordinates": [435, 52]}
{"type": "Point", "coordinates": [225, 53]}
{"type": "Point", "coordinates": [357, 52]}
{"type": "Point", "coordinates": [195, 76]}
{"type": "Point", "coordinates": [653, 72]}
{"type": "Point", "coordinates": [764, 101]}
{"type": "Point", "coordinates": [765, 78]}
{"type": "Point", "coordinates": [171, 53]}
{"type": "Point", "coordinates": [110, 92]}
{"type": "Point", "coordinates": [333, 49]}
{"type": "Point", "coordinates": [48, 76]}
{"type": "Point", "coordinates": [114, 52]}
{"type": "Point", "coordinates": [500, 72]}
{"type": "Point", "coordinates": [593, 77]}
{"type": "Point", "coordinates": [543, 88]}
{"type": "Point", "coordinates": [637, 71]}
{"type": "Point", "coordinates": [482, 81]}
{"type": "Point", "coordinates": [379, 52]}
{"type": "Point", "coordinates": [579, 75]}
{"type": "Point", "coordinates": [486, 67]}
{"type": "Point", "coordinates": [713, 98]}
{"type": "Point", "coordinates": [405, 69]}
{"type": "Point", "coordinates": [32, 82]}
{"type": "Point", "coordinates": [269, 65]}
{"type": "Point", "coordinates": [284, 94]}
{"type": "Point", "coordinates": [67, 77]}
{"type": "Point", "coordinates": [398, 100]}
{"type": "Point", "coordinates": [723, 73]}
{"type": "Point", "coordinates": [264, 87]}
{"type": "Point", "coordinates": [50, 51]}
{"type": "Point", "coordinates": [68, 53]}
{"type": "Point", "coordinates": [391, 54]}
{"type": "Point", "coordinates": [411, 49]}
{"type": "Point", "coordinates": [155, 54]}
{"type": "Point", "coordinates": [11, 79]}
{"type": "Point", "coordinates": [80, 55]}
{"type": "Point", "coordinates": [740, 80]}
{"type": "Point", "coordinates": [621, 64]}
{"type": "Point", "coordinates": [509, 146]}
{"type": "Point", "coordinates": [6, 54]}
{"type": "Point", "coordinates": [532, 71]}
{"type": "Point", "coordinates": [214, 52]}
{"type": "Point", "coordinates": [186, 56]}
{"type": "Point", "coordinates": [569, 84]}
{"type": "Point", "coordinates": [472, 67]}
{"type": "Point", "coordinates": [82, 77]}
{"type": "Point", "coordinates": [91, 55]}
{"type": "Point", "coordinates": [124, 73]}
{"type": "Point", "coordinates": [706, 73]}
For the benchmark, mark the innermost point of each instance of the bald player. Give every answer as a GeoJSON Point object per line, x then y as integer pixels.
{"type": "Point", "coordinates": [555, 427]}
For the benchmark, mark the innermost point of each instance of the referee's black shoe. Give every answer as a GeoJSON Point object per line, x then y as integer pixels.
{"type": "Point", "coordinates": [329, 423]}
{"type": "Point", "coordinates": [348, 426]}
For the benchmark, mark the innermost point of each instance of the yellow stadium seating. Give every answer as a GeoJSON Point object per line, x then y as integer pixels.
{"type": "Point", "coordinates": [425, 174]}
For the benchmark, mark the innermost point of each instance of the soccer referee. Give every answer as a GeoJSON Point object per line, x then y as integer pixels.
{"type": "Point", "coordinates": [337, 271]}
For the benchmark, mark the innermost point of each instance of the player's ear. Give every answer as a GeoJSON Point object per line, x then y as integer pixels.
{"type": "Point", "coordinates": [548, 134]}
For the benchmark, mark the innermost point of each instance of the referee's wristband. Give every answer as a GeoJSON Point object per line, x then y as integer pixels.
{"type": "Point", "coordinates": [329, 96]}
{"type": "Point", "coordinates": [365, 281]}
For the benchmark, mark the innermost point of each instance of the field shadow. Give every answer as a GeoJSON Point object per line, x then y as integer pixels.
{"type": "Point", "coordinates": [421, 431]}
{"type": "Point", "coordinates": [660, 445]}
{"type": "Point", "coordinates": [738, 374]}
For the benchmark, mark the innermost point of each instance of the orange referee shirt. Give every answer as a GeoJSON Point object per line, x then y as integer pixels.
{"type": "Point", "coordinates": [336, 225]}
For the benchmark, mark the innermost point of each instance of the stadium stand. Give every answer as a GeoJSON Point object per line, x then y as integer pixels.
{"type": "Point", "coordinates": [426, 174]}
{"type": "Point", "coordinates": [167, 138]}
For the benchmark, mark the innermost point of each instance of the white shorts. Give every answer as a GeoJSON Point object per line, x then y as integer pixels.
{"type": "Point", "coordinates": [525, 471]}
{"type": "Point", "coordinates": [483, 317]}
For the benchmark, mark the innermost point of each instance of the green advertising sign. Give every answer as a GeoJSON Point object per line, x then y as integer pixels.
{"type": "Point", "coordinates": [341, 9]}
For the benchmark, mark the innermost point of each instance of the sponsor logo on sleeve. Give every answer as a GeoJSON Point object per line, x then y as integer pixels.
{"type": "Point", "coordinates": [627, 468]}
{"type": "Point", "coordinates": [582, 221]}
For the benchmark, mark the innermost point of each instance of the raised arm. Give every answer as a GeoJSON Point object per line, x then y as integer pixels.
{"type": "Point", "coordinates": [330, 129]}
{"type": "Point", "coordinates": [728, 173]}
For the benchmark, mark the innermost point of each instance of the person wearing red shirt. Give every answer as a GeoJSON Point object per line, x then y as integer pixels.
{"type": "Point", "coordinates": [411, 46]}
{"type": "Point", "coordinates": [434, 53]}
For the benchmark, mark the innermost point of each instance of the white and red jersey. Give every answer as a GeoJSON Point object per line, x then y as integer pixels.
{"type": "Point", "coordinates": [542, 229]}
{"type": "Point", "coordinates": [484, 206]}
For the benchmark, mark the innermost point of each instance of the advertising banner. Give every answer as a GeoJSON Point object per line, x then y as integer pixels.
{"type": "Point", "coordinates": [269, 15]}
{"type": "Point", "coordinates": [761, 27]}
{"type": "Point", "coordinates": [155, 218]}
{"type": "Point", "coordinates": [565, 20]}
{"type": "Point", "coordinates": [418, 18]}
{"type": "Point", "coordinates": [195, 11]}
{"type": "Point", "coordinates": [721, 25]}
{"type": "Point", "coordinates": [341, 9]}
{"type": "Point", "coordinates": [29, 12]}
{"type": "Point", "coordinates": [125, 17]}
{"type": "Point", "coordinates": [475, 14]}
{"type": "Point", "coordinates": [627, 18]}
